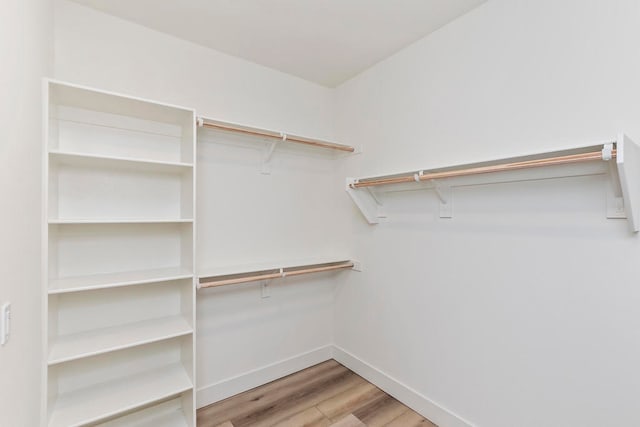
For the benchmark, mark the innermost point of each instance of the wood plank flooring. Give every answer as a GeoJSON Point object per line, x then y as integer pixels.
{"type": "Point", "coordinates": [324, 395]}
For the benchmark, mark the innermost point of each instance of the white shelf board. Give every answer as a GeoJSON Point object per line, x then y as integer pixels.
{"type": "Point", "coordinates": [71, 94]}
{"type": "Point", "coordinates": [112, 280]}
{"type": "Point", "coordinates": [108, 399]}
{"type": "Point", "coordinates": [224, 126]}
{"type": "Point", "coordinates": [94, 342]}
{"type": "Point", "coordinates": [150, 418]}
{"type": "Point", "coordinates": [75, 158]}
{"type": "Point", "coordinates": [628, 161]}
{"type": "Point", "coordinates": [119, 221]}
{"type": "Point", "coordinates": [628, 174]}
{"type": "Point", "coordinates": [269, 265]}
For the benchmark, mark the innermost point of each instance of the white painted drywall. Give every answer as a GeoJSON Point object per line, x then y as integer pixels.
{"type": "Point", "coordinates": [297, 212]}
{"type": "Point", "coordinates": [26, 27]}
{"type": "Point", "coordinates": [96, 49]}
{"type": "Point", "coordinates": [345, 37]}
{"type": "Point", "coordinates": [521, 310]}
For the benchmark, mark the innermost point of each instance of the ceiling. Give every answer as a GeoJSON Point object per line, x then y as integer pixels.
{"type": "Point", "coordinates": [323, 41]}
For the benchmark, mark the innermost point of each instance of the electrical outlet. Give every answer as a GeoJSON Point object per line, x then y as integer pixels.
{"type": "Point", "coordinates": [5, 322]}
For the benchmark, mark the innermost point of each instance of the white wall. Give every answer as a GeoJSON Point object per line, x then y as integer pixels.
{"type": "Point", "coordinates": [99, 50]}
{"type": "Point", "coordinates": [25, 49]}
{"type": "Point", "coordinates": [522, 309]}
{"type": "Point", "coordinates": [243, 216]}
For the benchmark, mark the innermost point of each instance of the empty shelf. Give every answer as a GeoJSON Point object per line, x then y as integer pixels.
{"type": "Point", "coordinates": [150, 418]}
{"type": "Point", "coordinates": [506, 166]}
{"type": "Point", "coordinates": [74, 158]}
{"type": "Point", "coordinates": [93, 342]}
{"type": "Point", "coordinates": [619, 159]}
{"type": "Point", "coordinates": [111, 280]}
{"type": "Point", "coordinates": [120, 221]}
{"type": "Point", "coordinates": [264, 133]}
{"type": "Point", "coordinates": [108, 399]}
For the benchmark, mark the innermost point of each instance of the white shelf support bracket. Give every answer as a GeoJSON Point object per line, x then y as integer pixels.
{"type": "Point", "coordinates": [628, 162]}
{"type": "Point", "coordinates": [614, 197]}
{"type": "Point", "coordinates": [266, 168]}
{"type": "Point", "coordinates": [374, 196]}
{"type": "Point", "coordinates": [265, 292]}
{"type": "Point", "coordinates": [607, 151]}
{"type": "Point", "coordinates": [367, 202]}
{"type": "Point", "coordinates": [445, 195]}
{"type": "Point", "coordinates": [357, 265]}
{"type": "Point", "coordinates": [440, 192]}
{"type": "Point", "coordinates": [200, 122]}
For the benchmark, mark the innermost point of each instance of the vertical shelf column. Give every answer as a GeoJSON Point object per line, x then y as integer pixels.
{"type": "Point", "coordinates": [118, 259]}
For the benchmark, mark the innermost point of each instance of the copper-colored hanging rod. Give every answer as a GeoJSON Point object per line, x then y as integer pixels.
{"type": "Point", "coordinates": [316, 269]}
{"type": "Point", "coordinates": [243, 279]}
{"type": "Point", "coordinates": [253, 276]}
{"type": "Point", "coordinates": [527, 164]}
{"type": "Point", "coordinates": [274, 135]}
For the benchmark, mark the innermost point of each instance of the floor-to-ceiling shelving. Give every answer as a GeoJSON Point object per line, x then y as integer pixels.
{"type": "Point", "coordinates": [119, 227]}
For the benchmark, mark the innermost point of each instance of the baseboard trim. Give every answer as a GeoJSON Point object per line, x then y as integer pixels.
{"type": "Point", "coordinates": [231, 386]}
{"type": "Point", "coordinates": [410, 397]}
{"type": "Point", "coordinates": [435, 412]}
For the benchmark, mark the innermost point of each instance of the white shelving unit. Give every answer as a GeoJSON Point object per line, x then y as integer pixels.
{"type": "Point", "coordinates": [119, 287]}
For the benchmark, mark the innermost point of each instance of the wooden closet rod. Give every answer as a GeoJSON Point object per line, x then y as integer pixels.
{"type": "Point", "coordinates": [528, 164]}
{"type": "Point", "coordinates": [274, 135]}
{"type": "Point", "coordinates": [253, 276]}
{"type": "Point", "coordinates": [317, 269]}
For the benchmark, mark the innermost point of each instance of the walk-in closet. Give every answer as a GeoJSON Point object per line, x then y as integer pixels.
{"type": "Point", "coordinates": [319, 213]}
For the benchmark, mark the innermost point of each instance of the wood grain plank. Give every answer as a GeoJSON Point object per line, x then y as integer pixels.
{"type": "Point", "coordinates": [257, 399]}
{"type": "Point", "coordinates": [315, 392]}
{"type": "Point", "coordinates": [381, 411]}
{"type": "Point", "coordinates": [349, 421]}
{"type": "Point", "coordinates": [410, 418]}
{"type": "Point", "coordinates": [348, 401]}
{"type": "Point", "coordinates": [327, 394]}
{"type": "Point", "coordinates": [311, 417]}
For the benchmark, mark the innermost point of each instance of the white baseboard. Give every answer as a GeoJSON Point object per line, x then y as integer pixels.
{"type": "Point", "coordinates": [231, 386]}
{"type": "Point", "coordinates": [416, 401]}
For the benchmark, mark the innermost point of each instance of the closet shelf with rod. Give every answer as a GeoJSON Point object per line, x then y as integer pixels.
{"type": "Point", "coordinates": [620, 159]}
{"type": "Point", "coordinates": [274, 136]}
{"type": "Point", "coordinates": [254, 275]}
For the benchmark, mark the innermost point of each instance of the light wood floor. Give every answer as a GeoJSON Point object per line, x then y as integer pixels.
{"type": "Point", "coordinates": [324, 395]}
